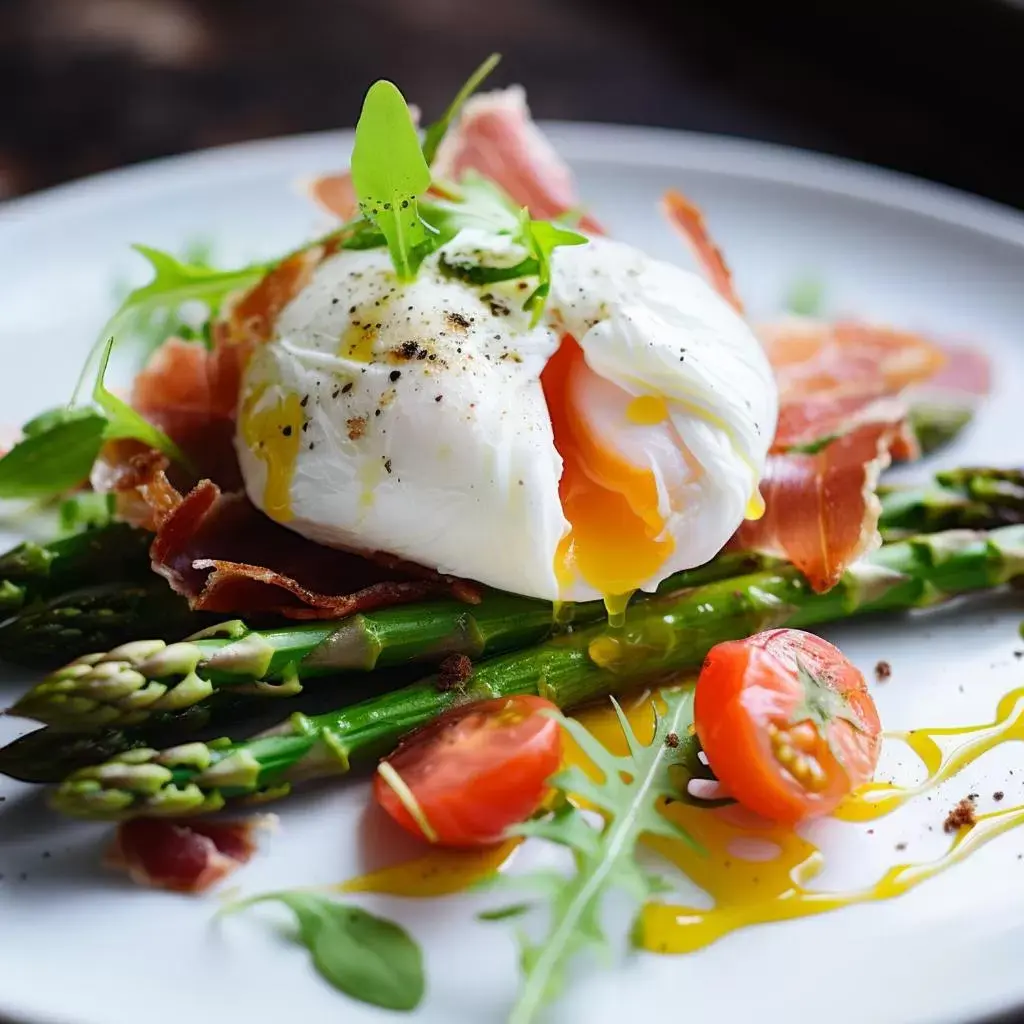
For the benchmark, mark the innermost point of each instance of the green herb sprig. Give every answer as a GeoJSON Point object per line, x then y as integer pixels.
{"type": "Point", "coordinates": [628, 797]}
{"type": "Point", "coordinates": [364, 956]}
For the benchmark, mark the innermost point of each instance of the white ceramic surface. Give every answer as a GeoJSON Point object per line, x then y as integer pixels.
{"type": "Point", "coordinates": [82, 946]}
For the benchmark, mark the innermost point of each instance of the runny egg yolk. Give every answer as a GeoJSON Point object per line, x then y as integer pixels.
{"type": "Point", "coordinates": [273, 433]}
{"type": "Point", "coordinates": [615, 540]}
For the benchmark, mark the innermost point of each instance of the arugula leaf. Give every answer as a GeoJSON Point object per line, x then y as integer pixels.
{"type": "Point", "coordinates": [389, 174]}
{"type": "Point", "coordinates": [174, 283]}
{"type": "Point", "coordinates": [85, 511]}
{"type": "Point", "coordinates": [55, 455]}
{"type": "Point", "coordinates": [436, 132]}
{"type": "Point", "coordinates": [806, 297]}
{"type": "Point", "coordinates": [542, 237]}
{"type": "Point", "coordinates": [368, 958]}
{"type": "Point", "coordinates": [628, 798]}
{"type": "Point", "coordinates": [476, 202]}
{"type": "Point", "coordinates": [123, 421]}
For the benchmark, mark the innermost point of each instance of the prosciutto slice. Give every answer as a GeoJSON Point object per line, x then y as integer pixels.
{"type": "Point", "coordinates": [183, 856]}
{"type": "Point", "coordinates": [821, 512]}
{"type": "Point", "coordinates": [224, 555]}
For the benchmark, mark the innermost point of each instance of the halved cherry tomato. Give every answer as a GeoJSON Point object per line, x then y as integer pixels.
{"type": "Point", "coordinates": [462, 780]}
{"type": "Point", "coordinates": [787, 723]}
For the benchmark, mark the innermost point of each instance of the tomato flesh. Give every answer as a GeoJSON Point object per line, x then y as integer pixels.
{"type": "Point", "coordinates": [474, 771]}
{"type": "Point", "coordinates": [787, 723]}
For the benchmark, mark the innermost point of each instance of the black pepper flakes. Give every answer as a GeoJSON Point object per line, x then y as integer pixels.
{"type": "Point", "coordinates": [347, 388]}
{"type": "Point", "coordinates": [305, 401]}
{"type": "Point", "coordinates": [376, 412]}
{"type": "Point", "coordinates": [287, 430]}
{"type": "Point", "coordinates": [438, 398]}
{"type": "Point", "coordinates": [672, 740]}
{"type": "Point", "coordinates": [394, 375]}
{"type": "Point", "coordinates": [387, 465]}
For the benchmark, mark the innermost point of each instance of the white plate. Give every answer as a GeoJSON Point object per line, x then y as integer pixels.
{"type": "Point", "coordinates": [80, 945]}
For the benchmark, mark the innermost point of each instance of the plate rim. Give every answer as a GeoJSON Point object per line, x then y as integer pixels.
{"type": "Point", "coordinates": [607, 144]}
{"type": "Point", "coordinates": [579, 141]}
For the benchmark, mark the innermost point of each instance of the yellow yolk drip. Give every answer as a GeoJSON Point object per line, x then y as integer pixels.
{"type": "Point", "coordinates": [647, 411]}
{"type": "Point", "coordinates": [439, 872]}
{"type": "Point", "coordinates": [877, 799]}
{"type": "Point", "coordinates": [754, 872]}
{"type": "Point", "coordinates": [755, 506]}
{"type": "Point", "coordinates": [614, 542]}
{"type": "Point", "coordinates": [273, 434]}
{"type": "Point", "coordinates": [358, 341]}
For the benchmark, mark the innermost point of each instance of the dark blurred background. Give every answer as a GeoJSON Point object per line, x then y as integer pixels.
{"type": "Point", "coordinates": [930, 88]}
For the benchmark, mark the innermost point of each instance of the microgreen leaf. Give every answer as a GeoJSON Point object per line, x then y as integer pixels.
{"type": "Point", "coordinates": [390, 174]}
{"type": "Point", "coordinates": [806, 297]}
{"type": "Point", "coordinates": [55, 455]}
{"type": "Point", "coordinates": [86, 511]}
{"type": "Point", "coordinates": [436, 132]}
{"type": "Point", "coordinates": [174, 283]}
{"type": "Point", "coordinates": [123, 421]}
{"type": "Point", "coordinates": [541, 238]}
{"type": "Point", "coordinates": [367, 957]}
{"type": "Point", "coordinates": [628, 797]}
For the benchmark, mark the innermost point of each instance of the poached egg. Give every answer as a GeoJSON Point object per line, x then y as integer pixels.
{"type": "Point", "coordinates": [617, 441]}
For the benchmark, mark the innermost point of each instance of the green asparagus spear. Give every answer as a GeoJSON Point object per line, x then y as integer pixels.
{"type": "Point", "coordinates": [972, 498]}
{"type": "Point", "coordinates": [125, 686]}
{"type": "Point", "coordinates": [49, 755]}
{"type": "Point", "coordinates": [35, 571]}
{"type": "Point", "coordinates": [95, 617]}
{"type": "Point", "coordinates": [662, 636]}
{"type": "Point", "coordinates": [132, 682]}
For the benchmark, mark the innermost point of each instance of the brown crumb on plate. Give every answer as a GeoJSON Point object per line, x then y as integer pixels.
{"type": "Point", "coordinates": [883, 670]}
{"type": "Point", "coordinates": [962, 816]}
{"type": "Point", "coordinates": [455, 670]}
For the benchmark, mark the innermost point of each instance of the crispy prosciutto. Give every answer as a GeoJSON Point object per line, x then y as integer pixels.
{"type": "Point", "coordinates": [224, 555]}
{"type": "Point", "coordinates": [183, 856]}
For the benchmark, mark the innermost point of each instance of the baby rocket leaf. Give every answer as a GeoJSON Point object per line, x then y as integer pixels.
{"type": "Point", "coordinates": [174, 283]}
{"type": "Point", "coordinates": [436, 132]}
{"type": "Point", "coordinates": [368, 958]}
{"type": "Point", "coordinates": [627, 796]}
{"type": "Point", "coordinates": [390, 174]}
{"type": "Point", "coordinates": [55, 455]}
{"type": "Point", "coordinates": [542, 237]}
{"type": "Point", "coordinates": [123, 421]}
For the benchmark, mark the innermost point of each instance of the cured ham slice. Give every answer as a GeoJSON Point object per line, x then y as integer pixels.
{"type": "Point", "coordinates": [183, 856]}
{"type": "Point", "coordinates": [821, 512]}
{"type": "Point", "coordinates": [226, 556]}
{"type": "Point", "coordinates": [688, 220]}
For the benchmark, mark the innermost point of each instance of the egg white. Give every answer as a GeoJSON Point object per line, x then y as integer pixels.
{"type": "Point", "coordinates": [427, 434]}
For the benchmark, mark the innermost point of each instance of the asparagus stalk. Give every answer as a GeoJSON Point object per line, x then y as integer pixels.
{"type": "Point", "coordinates": [660, 637]}
{"type": "Point", "coordinates": [130, 683]}
{"type": "Point", "coordinates": [970, 498]}
{"type": "Point", "coordinates": [95, 617]}
{"type": "Point", "coordinates": [48, 755]}
{"type": "Point", "coordinates": [33, 571]}
{"type": "Point", "coordinates": [125, 686]}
